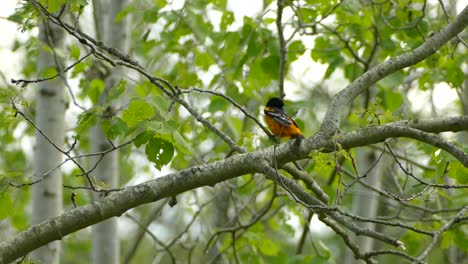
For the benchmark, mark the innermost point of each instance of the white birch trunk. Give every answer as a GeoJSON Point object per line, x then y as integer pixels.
{"type": "Point", "coordinates": [50, 112]}
{"type": "Point", "coordinates": [106, 244]}
{"type": "Point", "coordinates": [365, 202]}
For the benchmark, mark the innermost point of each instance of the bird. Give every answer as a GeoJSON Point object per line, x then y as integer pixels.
{"type": "Point", "coordinates": [280, 124]}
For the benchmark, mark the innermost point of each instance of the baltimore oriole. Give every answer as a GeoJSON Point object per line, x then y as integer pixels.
{"type": "Point", "coordinates": [278, 121]}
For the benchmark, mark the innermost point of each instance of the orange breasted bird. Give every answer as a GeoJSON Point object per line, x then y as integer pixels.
{"type": "Point", "coordinates": [280, 124]}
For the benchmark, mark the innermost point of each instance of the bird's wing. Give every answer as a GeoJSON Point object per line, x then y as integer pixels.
{"type": "Point", "coordinates": [279, 115]}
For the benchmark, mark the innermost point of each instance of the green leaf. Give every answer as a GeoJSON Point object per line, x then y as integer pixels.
{"type": "Point", "coordinates": [124, 12]}
{"type": "Point", "coordinates": [6, 203]}
{"type": "Point", "coordinates": [85, 121]}
{"type": "Point", "coordinates": [160, 3]}
{"type": "Point", "coordinates": [143, 89]}
{"type": "Point", "coordinates": [117, 90]}
{"type": "Point", "coordinates": [455, 75]}
{"type": "Point", "coordinates": [96, 87]}
{"type": "Point", "coordinates": [461, 237]}
{"type": "Point", "coordinates": [458, 172]}
{"type": "Point", "coordinates": [218, 104]}
{"type": "Point", "coordinates": [268, 247]}
{"type": "Point", "coordinates": [75, 51]}
{"type": "Point", "coordinates": [136, 112]}
{"type": "Point", "coordinates": [203, 59]}
{"type": "Point", "coordinates": [161, 105]}
{"type": "Point", "coordinates": [181, 144]}
{"type": "Point", "coordinates": [150, 16]}
{"type": "Point", "coordinates": [114, 128]}
{"type": "Point", "coordinates": [49, 72]}
{"type": "Point", "coordinates": [142, 138]}
{"type": "Point", "coordinates": [390, 99]}
{"type": "Point", "coordinates": [270, 66]}
{"type": "Point", "coordinates": [295, 49]}
{"type": "Point", "coordinates": [226, 20]}
{"type": "Point", "coordinates": [54, 5]}
{"type": "Point", "coordinates": [168, 127]}
{"type": "Point", "coordinates": [153, 125]}
{"type": "Point", "coordinates": [159, 151]}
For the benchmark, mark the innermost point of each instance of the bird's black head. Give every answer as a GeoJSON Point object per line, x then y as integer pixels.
{"type": "Point", "coordinates": [275, 102]}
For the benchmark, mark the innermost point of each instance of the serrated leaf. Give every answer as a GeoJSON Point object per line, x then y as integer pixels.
{"type": "Point", "coordinates": [136, 112]}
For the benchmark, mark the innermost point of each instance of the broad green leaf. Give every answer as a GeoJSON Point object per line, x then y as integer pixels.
{"type": "Point", "coordinates": [142, 138]}
{"type": "Point", "coordinates": [268, 247]}
{"type": "Point", "coordinates": [49, 72]}
{"type": "Point", "coordinates": [114, 128]}
{"type": "Point", "coordinates": [153, 125]}
{"type": "Point", "coordinates": [218, 104]}
{"type": "Point", "coordinates": [458, 172]}
{"type": "Point", "coordinates": [270, 66]}
{"type": "Point", "coordinates": [136, 112]}
{"type": "Point", "coordinates": [455, 75]}
{"type": "Point", "coordinates": [168, 127]}
{"type": "Point", "coordinates": [117, 90]}
{"type": "Point", "coordinates": [54, 5]}
{"type": "Point", "coordinates": [181, 144]}
{"type": "Point", "coordinates": [226, 20]}
{"type": "Point", "coordinates": [85, 121]}
{"type": "Point", "coordinates": [124, 12]}
{"type": "Point", "coordinates": [295, 49]}
{"type": "Point", "coordinates": [203, 59]}
{"type": "Point", "coordinates": [159, 151]}
{"type": "Point", "coordinates": [391, 100]}
{"type": "Point", "coordinates": [461, 237]}
{"type": "Point", "coordinates": [75, 52]}
{"type": "Point", "coordinates": [150, 16]}
{"type": "Point", "coordinates": [96, 87]}
{"type": "Point", "coordinates": [161, 105]}
{"type": "Point", "coordinates": [160, 3]}
{"type": "Point", "coordinates": [143, 89]}
{"type": "Point", "coordinates": [6, 203]}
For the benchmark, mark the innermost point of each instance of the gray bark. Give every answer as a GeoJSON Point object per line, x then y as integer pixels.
{"type": "Point", "coordinates": [105, 241]}
{"type": "Point", "coordinates": [50, 112]}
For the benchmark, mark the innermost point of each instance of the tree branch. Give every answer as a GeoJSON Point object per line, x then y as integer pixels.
{"type": "Point", "coordinates": [338, 106]}
{"type": "Point", "coordinates": [116, 203]}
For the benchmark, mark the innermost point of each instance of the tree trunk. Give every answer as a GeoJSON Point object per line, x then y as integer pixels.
{"type": "Point", "coordinates": [106, 244]}
{"type": "Point", "coordinates": [50, 112]}
{"type": "Point", "coordinates": [365, 202]}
